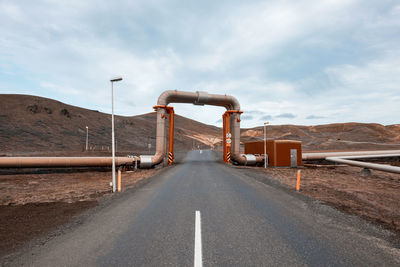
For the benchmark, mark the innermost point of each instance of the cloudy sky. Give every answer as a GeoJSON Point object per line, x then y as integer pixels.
{"type": "Point", "coordinates": [298, 62]}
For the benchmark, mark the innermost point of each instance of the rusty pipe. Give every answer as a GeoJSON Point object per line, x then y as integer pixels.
{"type": "Point", "coordinates": [35, 162]}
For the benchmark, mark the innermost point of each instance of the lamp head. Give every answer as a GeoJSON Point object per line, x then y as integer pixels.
{"type": "Point", "coordinates": [116, 79]}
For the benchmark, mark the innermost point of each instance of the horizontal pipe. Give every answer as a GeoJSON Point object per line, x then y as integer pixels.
{"type": "Point", "coordinates": [323, 155]}
{"type": "Point", "coordinates": [371, 156]}
{"type": "Point", "coordinates": [374, 166]}
{"type": "Point", "coordinates": [34, 162]}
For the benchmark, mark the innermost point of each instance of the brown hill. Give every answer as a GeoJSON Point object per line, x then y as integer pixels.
{"type": "Point", "coordinates": [337, 136]}
{"type": "Point", "coordinates": [31, 125]}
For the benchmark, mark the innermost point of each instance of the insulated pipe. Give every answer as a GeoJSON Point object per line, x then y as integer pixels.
{"type": "Point", "coordinates": [35, 162]}
{"type": "Point", "coordinates": [323, 155]}
{"type": "Point", "coordinates": [235, 131]}
{"type": "Point", "coordinates": [373, 156]}
{"type": "Point", "coordinates": [224, 137]}
{"type": "Point", "coordinates": [375, 166]}
{"type": "Point", "coordinates": [250, 159]}
{"type": "Point", "coordinates": [196, 98]}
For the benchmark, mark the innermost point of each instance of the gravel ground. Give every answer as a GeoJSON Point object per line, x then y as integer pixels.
{"type": "Point", "coordinates": [32, 205]}
{"type": "Point", "coordinates": [375, 198]}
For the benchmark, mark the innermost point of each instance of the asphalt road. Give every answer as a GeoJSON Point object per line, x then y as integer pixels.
{"type": "Point", "coordinates": [243, 223]}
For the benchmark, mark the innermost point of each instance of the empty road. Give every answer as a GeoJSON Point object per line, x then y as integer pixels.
{"type": "Point", "coordinates": [205, 212]}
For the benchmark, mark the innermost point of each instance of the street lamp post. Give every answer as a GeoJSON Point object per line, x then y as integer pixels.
{"type": "Point", "coordinates": [116, 79]}
{"type": "Point", "coordinates": [87, 138]}
{"type": "Point", "coordinates": [265, 144]}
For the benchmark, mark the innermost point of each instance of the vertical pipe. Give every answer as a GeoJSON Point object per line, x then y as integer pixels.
{"type": "Point", "coordinates": [235, 149]}
{"type": "Point", "coordinates": [160, 136]}
{"type": "Point", "coordinates": [112, 137]}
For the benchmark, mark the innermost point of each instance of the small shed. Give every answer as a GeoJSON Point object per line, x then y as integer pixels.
{"type": "Point", "coordinates": [281, 153]}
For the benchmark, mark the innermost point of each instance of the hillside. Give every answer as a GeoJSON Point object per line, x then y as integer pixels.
{"type": "Point", "coordinates": [337, 136]}
{"type": "Point", "coordinates": [35, 125]}
{"type": "Point", "coordinates": [31, 125]}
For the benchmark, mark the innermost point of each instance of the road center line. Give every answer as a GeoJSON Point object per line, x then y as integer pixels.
{"type": "Point", "coordinates": [198, 255]}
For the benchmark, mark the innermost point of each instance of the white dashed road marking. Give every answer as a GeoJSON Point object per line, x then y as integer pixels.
{"type": "Point", "coordinates": [198, 255]}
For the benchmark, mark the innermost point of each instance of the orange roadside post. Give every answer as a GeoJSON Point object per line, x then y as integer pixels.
{"type": "Point", "coordinates": [119, 180]}
{"type": "Point", "coordinates": [298, 180]}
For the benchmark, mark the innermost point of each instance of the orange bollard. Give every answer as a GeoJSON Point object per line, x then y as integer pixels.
{"type": "Point", "coordinates": [119, 180]}
{"type": "Point", "coordinates": [298, 180]}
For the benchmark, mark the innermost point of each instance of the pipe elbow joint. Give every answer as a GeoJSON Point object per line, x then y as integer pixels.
{"type": "Point", "coordinates": [235, 103]}
{"type": "Point", "coordinates": [239, 158]}
{"type": "Point", "coordinates": [166, 97]}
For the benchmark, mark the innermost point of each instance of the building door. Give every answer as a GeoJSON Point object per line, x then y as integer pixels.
{"type": "Point", "coordinates": [293, 158]}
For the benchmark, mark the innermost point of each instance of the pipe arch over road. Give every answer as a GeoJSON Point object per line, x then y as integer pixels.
{"type": "Point", "coordinates": [196, 98]}
{"type": "Point", "coordinates": [171, 96]}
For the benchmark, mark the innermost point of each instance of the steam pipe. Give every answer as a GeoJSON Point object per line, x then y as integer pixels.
{"type": "Point", "coordinates": [347, 158]}
{"type": "Point", "coordinates": [323, 155]}
{"type": "Point", "coordinates": [375, 166]}
{"type": "Point", "coordinates": [34, 162]}
{"type": "Point", "coordinates": [196, 98]}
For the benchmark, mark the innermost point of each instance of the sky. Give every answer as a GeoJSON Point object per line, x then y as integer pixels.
{"type": "Point", "coordinates": [287, 62]}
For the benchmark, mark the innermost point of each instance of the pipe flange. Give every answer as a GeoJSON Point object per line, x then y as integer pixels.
{"type": "Point", "coordinates": [202, 98]}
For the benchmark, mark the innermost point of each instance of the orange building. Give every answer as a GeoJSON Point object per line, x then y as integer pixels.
{"type": "Point", "coordinates": [281, 153]}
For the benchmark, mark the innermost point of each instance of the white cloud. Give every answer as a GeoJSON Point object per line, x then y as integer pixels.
{"type": "Point", "coordinates": [326, 58]}
{"type": "Point", "coordinates": [381, 75]}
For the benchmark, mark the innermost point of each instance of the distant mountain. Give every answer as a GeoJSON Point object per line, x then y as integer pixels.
{"type": "Point", "coordinates": [31, 125]}
{"type": "Point", "coordinates": [337, 136]}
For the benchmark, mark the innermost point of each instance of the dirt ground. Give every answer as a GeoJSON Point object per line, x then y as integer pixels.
{"type": "Point", "coordinates": [32, 205]}
{"type": "Point", "coordinates": [375, 198]}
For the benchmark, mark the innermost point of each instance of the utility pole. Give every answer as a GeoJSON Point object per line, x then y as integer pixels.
{"type": "Point", "coordinates": [87, 138]}
{"type": "Point", "coordinates": [117, 79]}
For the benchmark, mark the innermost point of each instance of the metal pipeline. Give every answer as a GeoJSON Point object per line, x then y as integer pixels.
{"type": "Point", "coordinates": [35, 162]}
{"type": "Point", "coordinates": [196, 98]}
{"type": "Point", "coordinates": [348, 158]}
{"type": "Point", "coordinates": [323, 155]}
{"type": "Point", "coordinates": [368, 165]}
